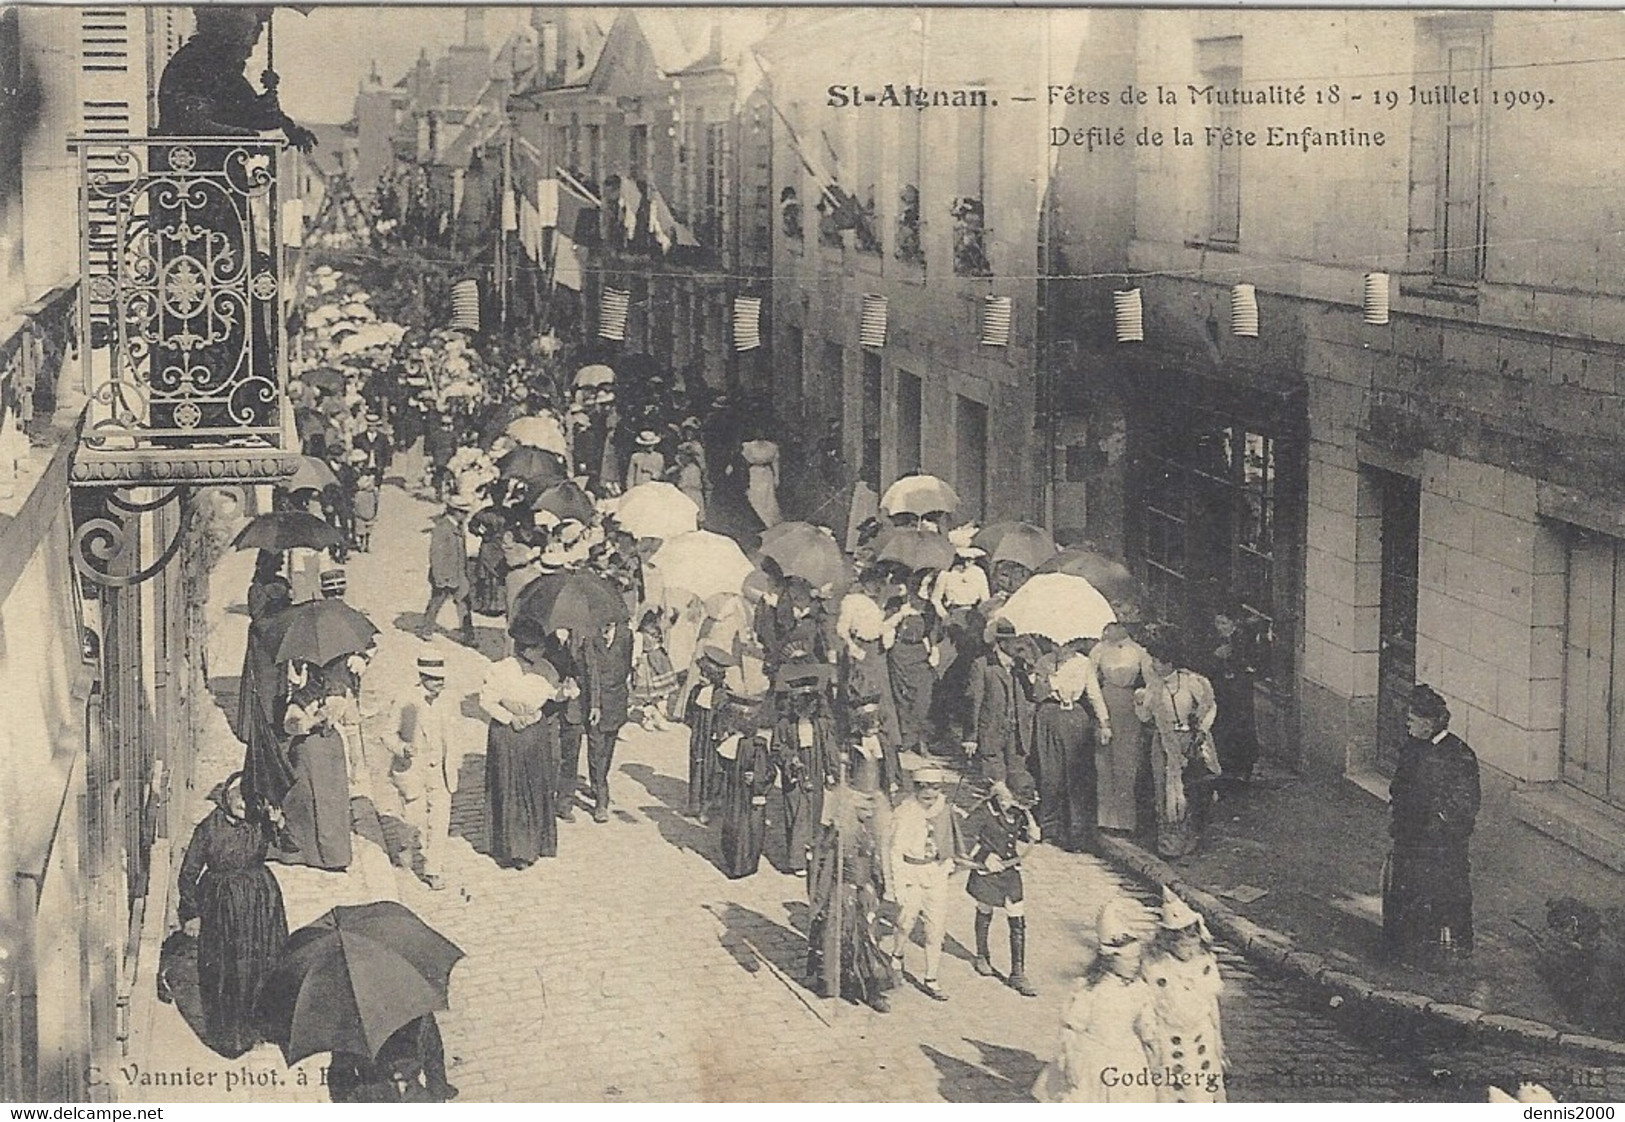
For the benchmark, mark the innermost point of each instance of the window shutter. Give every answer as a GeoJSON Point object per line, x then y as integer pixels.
{"type": "Point", "coordinates": [110, 90]}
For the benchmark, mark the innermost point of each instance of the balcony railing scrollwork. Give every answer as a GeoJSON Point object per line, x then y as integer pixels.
{"type": "Point", "coordinates": [181, 313]}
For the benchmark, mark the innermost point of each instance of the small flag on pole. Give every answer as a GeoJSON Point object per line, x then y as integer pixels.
{"type": "Point", "coordinates": [465, 305]}
{"type": "Point", "coordinates": [510, 210]}
{"type": "Point", "coordinates": [872, 327]}
{"type": "Point", "coordinates": [612, 314]}
{"type": "Point", "coordinates": [996, 321]}
{"type": "Point", "coordinates": [747, 323]}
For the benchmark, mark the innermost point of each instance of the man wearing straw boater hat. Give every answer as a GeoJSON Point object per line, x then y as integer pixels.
{"type": "Point", "coordinates": [427, 761]}
{"type": "Point", "coordinates": [448, 570]}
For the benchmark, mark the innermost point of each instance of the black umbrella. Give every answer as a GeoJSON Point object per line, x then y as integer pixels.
{"type": "Point", "coordinates": [538, 468]}
{"type": "Point", "coordinates": [324, 378]}
{"type": "Point", "coordinates": [566, 501]}
{"type": "Point", "coordinates": [320, 631]}
{"type": "Point", "coordinates": [575, 601]}
{"type": "Point", "coordinates": [353, 977]}
{"type": "Point", "coordinates": [288, 529]}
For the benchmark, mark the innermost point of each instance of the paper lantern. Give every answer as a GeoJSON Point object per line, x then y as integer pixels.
{"type": "Point", "coordinates": [612, 312]}
{"type": "Point", "coordinates": [747, 323]}
{"type": "Point", "coordinates": [996, 321]}
{"type": "Point", "coordinates": [872, 327]}
{"type": "Point", "coordinates": [1376, 299]}
{"type": "Point", "coordinates": [1130, 314]}
{"type": "Point", "coordinates": [1244, 311]}
{"type": "Point", "coordinates": [465, 305]}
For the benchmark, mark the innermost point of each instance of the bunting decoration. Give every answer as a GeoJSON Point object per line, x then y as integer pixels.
{"type": "Point", "coordinates": [465, 305]}
{"type": "Point", "coordinates": [747, 323]}
{"type": "Point", "coordinates": [612, 313]}
{"type": "Point", "coordinates": [996, 321]}
{"type": "Point", "coordinates": [510, 211]}
{"type": "Point", "coordinates": [1129, 313]}
{"type": "Point", "coordinates": [872, 326]}
{"type": "Point", "coordinates": [1244, 311]}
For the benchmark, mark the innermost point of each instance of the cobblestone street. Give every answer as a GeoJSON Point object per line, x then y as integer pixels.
{"type": "Point", "coordinates": [630, 968]}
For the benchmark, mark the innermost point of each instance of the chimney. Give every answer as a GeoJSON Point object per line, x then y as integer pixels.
{"type": "Point", "coordinates": [474, 27]}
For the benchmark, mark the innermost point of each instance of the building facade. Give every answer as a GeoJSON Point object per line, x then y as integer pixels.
{"type": "Point", "coordinates": [105, 548]}
{"type": "Point", "coordinates": [658, 119]}
{"type": "Point", "coordinates": [1432, 494]}
{"type": "Point", "coordinates": [912, 189]}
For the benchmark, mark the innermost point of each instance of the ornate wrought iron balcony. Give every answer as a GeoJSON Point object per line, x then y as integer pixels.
{"type": "Point", "coordinates": [182, 313]}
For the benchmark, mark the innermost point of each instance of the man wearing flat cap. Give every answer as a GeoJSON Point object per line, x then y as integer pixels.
{"type": "Point", "coordinates": [1427, 899]}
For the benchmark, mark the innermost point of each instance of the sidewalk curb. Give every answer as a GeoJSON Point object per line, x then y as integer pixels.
{"type": "Point", "coordinates": [1276, 950]}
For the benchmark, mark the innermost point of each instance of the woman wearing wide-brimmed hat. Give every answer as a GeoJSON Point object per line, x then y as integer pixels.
{"type": "Point", "coordinates": [647, 463]}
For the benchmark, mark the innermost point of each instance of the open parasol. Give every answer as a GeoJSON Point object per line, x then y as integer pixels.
{"type": "Point", "coordinates": [1059, 607]}
{"type": "Point", "coordinates": [702, 564]}
{"type": "Point", "coordinates": [657, 510]}
{"type": "Point", "coordinates": [1021, 542]}
{"type": "Point", "coordinates": [312, 475]}
{"type": "Point", "coordinates": [920, 495]}
{"type": "Point", "coordinates": [288, 529]}
{"type": "Point", "coordinates": [348, 981]}
{"type": "Point", "coordinates": [1110, 577]}
{"type": "Point", "coordinates": [537, 468]}
{"type": "Point", "coordinates": [596, 374]}
{"type": "Point", "coordinates": [566, 501]}
{"type": "Point", "coordinates": [319, 632]}
{"type": "Point", "coordinates": [810, 553]}
{"type": "Point", "coordinates": [575, 601]}
{"type": "Point", "coordinates": [914, 548]}
{"type": "Point", "coordinates": [542, 431]}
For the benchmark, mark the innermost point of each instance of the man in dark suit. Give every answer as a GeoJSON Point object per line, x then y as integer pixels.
{"type": "Point", "coordinates": [607, 665]}
{"type": "Point", "coordinates": [448, 571]}
{"type": "Point", "coordinates": [996, 707]}
{"type": "Point", "coordinates": [1427, 900]}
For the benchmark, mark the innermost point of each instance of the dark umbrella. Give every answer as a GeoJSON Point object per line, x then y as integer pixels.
{"type": "Point", "coordinates": [538, 468]}
{"type": "Point", "coordinates": [311, 422]}
{"type": "Point", "coordinates": [915, 549]}
{"type": "Point", "coordinates": [313, 475]}
{"type": "Point", "coordinates": [1027, 545]}
{"type": "Point", "coordinates": [807, 552]}
{"type": "Point", "coordinates": [320, 631]}
{"type": "Point", "coordinates": [574, 601]}
{"type": "Point", "coordinates": [566, 501]}
{"type": "Point", "coordinates": [353, 977]}
{"type": "Point", "coordinates": [333, 406]}
{"type": "Point", "coordinates": [1111, 577]}
{"type": "Point", "coordinates": [288, 529]}
{"type": "Point", "coordinates": [325, 378]}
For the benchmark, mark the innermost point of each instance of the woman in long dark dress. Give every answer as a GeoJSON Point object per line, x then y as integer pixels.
{"type": "Point", "coordinates": [317, 805]}
{"type": "Point", "coordinates": [231, 902]}
{"type": "Point", "coordinates": [262, 697]}
{"type": "Point", "coordinates": [521, 757]}
{"type": "Point", "coordinates": [705, 702]}
{"type": "Point", "coordinates": [748, 775]}
{"type": "Point", "coordinates": [911, 663]}
{"type": "Point", "coordinates": [1063, 754]}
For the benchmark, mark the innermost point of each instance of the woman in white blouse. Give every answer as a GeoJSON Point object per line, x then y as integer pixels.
{"type": "Point", "coordinates": [1178, 706]}
{"type": "Point", "coordinates": [521, 756]}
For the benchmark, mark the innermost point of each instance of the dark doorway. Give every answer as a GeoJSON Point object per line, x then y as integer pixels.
{"type": "Point", "coordinates": [870, 470]}
{"type": "Point", "coordinates": [909, 423]}
{"type": "Point", "coordinates": [1401, 499]}
{"type": "Point", "coordinates": [970, 459]}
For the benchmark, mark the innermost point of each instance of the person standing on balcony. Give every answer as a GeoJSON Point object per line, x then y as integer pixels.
{"type": "Point", "coordinates": [204, 92]}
